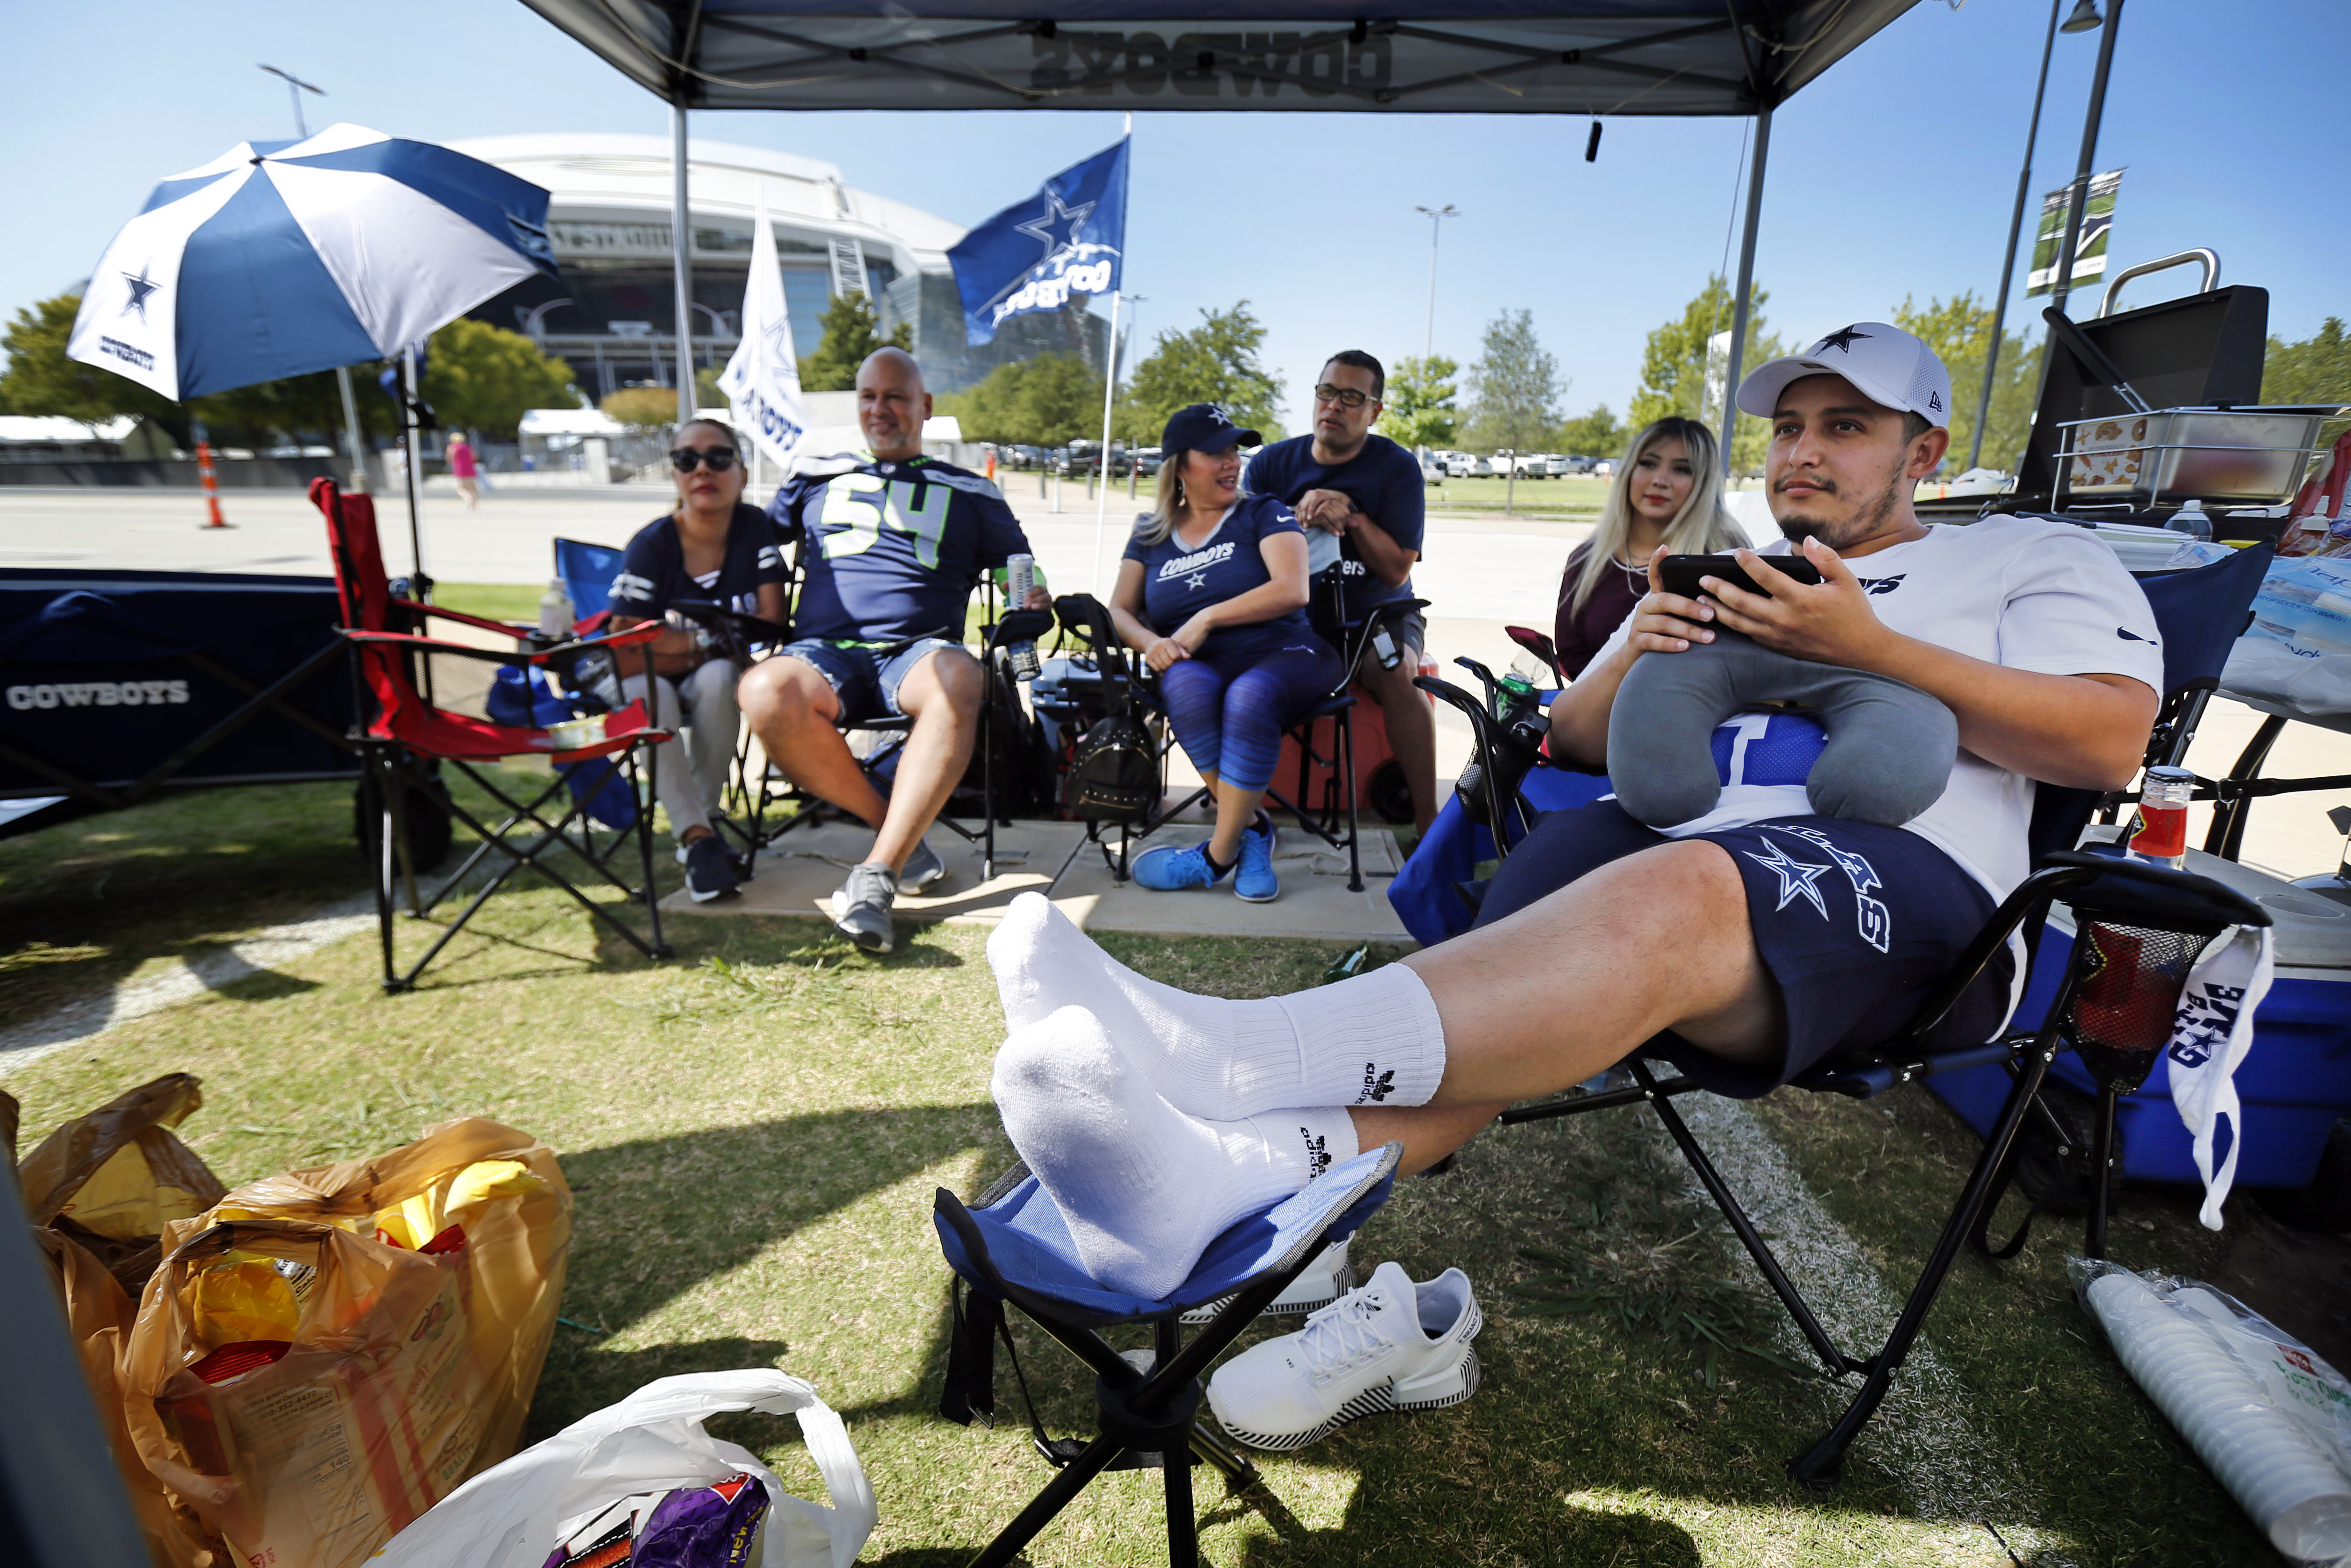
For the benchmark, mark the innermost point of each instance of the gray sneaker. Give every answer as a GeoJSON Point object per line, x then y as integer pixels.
{"type": "Point", "coordinates": [861, 907]}
{"type": "Point", "coordinates": [923, 867]}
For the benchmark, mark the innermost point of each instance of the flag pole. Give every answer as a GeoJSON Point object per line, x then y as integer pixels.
{"type": "Point", "coordinates": [1110, 391]}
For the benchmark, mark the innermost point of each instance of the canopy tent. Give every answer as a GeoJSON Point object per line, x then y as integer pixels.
{"type": "Point", "coordinates": [1597, 58]}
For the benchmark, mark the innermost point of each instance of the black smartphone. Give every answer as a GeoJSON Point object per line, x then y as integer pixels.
{"type": "Point", "coordinates": [1680, 573]}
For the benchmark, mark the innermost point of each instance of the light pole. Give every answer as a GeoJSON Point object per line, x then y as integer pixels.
{"type": "Point", "coordinates": [1436, 216]}
{"type": "Point", "coordinates": [2084, 17]}
{"type": "Point", "coordinates": [294, 88]}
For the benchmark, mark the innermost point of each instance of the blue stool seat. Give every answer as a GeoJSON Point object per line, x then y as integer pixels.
{"type": "Point", "coordinates": [1016, 1246]}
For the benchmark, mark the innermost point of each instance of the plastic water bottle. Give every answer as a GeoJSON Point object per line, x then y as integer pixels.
{"type": "Point", "coordinates": [554, 616]}
{"type": "Point", "coordinates": [1020, 576]}
{"type": "Point", "coordinates": [2192, 520]}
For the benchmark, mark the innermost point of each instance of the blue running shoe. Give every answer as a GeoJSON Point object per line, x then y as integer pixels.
{"type": "Point", "coordinates": [1254, 879]}
{"type": "Point", "coordinates": [1167, 869]}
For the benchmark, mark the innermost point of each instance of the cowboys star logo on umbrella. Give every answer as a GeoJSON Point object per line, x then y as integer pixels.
{"type": "Point", "coordinates": [140, 289]}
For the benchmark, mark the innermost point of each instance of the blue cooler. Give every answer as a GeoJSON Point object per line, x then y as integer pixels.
{"type": "Point", "coordinates": [2294, 1084]}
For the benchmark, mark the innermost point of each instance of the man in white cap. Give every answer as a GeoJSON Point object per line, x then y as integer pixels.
{"type": "Point", "coordinates": [1751, 943]}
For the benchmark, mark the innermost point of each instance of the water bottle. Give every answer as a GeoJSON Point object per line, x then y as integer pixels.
{"type": "Point", "coordinates": [2192, 520]}
{"type": "Point", "coordinates": [1020, 576]}
{"type": "Point", "coordinates": [554, 616]}
{"type": "Point", "coordinates": [2162, 831]}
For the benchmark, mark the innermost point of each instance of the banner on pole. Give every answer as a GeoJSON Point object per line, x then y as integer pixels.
{"type": "Point", "coordinates": [762, 381]}
{"type": "Point", "coordinates": [1066, 239]}
{"type": "Point", "coordinates": [2089, 251]}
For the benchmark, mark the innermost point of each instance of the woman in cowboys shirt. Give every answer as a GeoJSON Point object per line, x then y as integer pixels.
{"type": "Point", "coordinates": [1213, 594]}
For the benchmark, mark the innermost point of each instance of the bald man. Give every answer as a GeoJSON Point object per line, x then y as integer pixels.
{"type": "Point", "coordinates": [892, 544]}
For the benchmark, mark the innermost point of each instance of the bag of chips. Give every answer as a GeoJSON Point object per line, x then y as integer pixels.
{"type": "Point", "coordinates": [112, 1179]}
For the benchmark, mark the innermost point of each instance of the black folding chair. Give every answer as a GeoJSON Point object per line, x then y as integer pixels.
{"type": "Point", "coordinates": [2140, 929]}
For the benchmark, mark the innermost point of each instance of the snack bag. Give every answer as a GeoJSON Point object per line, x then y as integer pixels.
{"type": "Point", "coordinates": [305, 1392]}
{"type": "Point", "coordinates": [112, 1179]}
{"type": "Point", "coordinates": [489, 1200]}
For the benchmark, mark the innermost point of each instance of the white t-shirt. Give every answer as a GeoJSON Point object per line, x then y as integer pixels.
{"type": "Point", "coordinates": [2021, 592]}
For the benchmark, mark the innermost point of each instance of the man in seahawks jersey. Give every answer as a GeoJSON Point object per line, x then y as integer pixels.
{"type": "Point", "coordinates": [891, 544]}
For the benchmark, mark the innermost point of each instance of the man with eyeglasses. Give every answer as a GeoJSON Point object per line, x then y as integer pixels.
{"type": "Point", "coordinates": [1361, 498]}
{"type": "Point", "coordinates": [892, 544]}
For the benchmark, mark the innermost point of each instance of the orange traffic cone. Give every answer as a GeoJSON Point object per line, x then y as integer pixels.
{"type": "Point", "coordinates": [211, 484]}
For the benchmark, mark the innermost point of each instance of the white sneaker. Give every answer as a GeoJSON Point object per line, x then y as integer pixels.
{"type": "Point", "coordinates": [1394, 1345]}
{"type": "Point", "coordinates": [1324, 1280]}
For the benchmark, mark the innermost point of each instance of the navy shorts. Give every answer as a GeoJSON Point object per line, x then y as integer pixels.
{"type": "Point", "coordinates": [1857, 924]}
{"type": "Point", "coordinates": [865, 679]}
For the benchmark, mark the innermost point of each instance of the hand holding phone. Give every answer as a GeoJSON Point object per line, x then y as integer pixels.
{"type": "Point", "coordinates": [1681, 574]}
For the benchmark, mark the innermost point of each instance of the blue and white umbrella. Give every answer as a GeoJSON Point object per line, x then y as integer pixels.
{"type": "Point", "coordinates": [280, 258]}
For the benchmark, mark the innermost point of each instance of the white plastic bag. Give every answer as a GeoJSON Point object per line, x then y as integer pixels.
{"type": "Point", "coordinates": [512, 1515]}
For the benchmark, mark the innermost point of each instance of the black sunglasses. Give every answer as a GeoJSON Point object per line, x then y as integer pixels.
{"type": "Point", "coordinates": [686, 459]}
{"type": "Point", "coordinates": [1346, 396]}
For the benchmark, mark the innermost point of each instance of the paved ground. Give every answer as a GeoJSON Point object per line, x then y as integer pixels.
{"type": "Point", "coordinates": [1479, 575]}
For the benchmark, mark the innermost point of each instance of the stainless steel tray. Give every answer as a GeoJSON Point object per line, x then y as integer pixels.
{"type": "Point", "coordinates": [2247, 457]}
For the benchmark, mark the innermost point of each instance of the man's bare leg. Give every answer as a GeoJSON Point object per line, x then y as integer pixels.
{"type": "Point", "coordinates": [1575, 983]}
{"type": "Point", "coordinates": [1411, 726]}
{"type": "Point", "coordinates": [942, 694]}
{"type": "Point", "coordinates": [793, 710]}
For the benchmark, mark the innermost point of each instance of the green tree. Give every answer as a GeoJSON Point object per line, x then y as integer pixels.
{"type": "Point", "coordinates": [2315, 371]}
{"type": "Point", "coordinates": [1215, 362]}
{"type": "Point", "coordinates": [483, 378]}
{"type": "Point", "coordinates": [41, 381]}
{"type": "Point", "coordinates": [1421, 394]}
{"type": "Point", "coordinates": [1674, 367]}
{"type": "Point", "coordinates": [1514, 390]}
{"type": "Point", "coordinates": [643, 409]}
{"type": "Point", "coordinates": [851, 331]}
{"type": "Point", "coordinates": [1596, 435]}
{"type": "Point", "coordinates": [1046, 401]}
{"type": "Point", "coordinates": [1957, 331]}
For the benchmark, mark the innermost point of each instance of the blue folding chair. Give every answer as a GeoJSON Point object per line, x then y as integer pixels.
{"type": "Point", "coordinates": [1014, 1246]}
{"type": "Point", "coordinates": [587, 572]}
{"type": "Point", "coordinates": [2141, 929]}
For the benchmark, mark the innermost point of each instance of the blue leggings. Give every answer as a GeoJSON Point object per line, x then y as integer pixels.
{"type": "Point", "coordinates": [1229, 710]}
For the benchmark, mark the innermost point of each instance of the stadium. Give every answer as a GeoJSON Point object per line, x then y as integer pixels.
{"type": "Point", "coordinates": [613, 317]}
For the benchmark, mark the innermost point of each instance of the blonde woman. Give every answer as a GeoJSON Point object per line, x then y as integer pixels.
{"type": "Point", "coordinates": [1667, 491]}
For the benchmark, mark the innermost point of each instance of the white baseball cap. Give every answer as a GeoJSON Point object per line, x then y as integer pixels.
{"type": "Point", "coordinates": [1888, 365]}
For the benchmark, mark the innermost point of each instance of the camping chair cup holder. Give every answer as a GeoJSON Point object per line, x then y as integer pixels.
{"type": "Point", "coordinates": [405, 740]}
{"type": "Point", "coordinates": [1013, 1247]}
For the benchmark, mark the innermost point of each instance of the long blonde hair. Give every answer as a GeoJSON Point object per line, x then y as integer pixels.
{"type": "Point", "coordinates": [1168, 504]}
{"type": "Point", "coordinates": [1702, 528]}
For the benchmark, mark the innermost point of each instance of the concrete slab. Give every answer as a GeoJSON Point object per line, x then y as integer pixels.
{"type": "Point", "coordinates": [1314, 905]}
{"type": "Point", "coordinates": [797, 876]}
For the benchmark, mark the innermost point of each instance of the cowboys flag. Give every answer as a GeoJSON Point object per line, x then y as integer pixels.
{"type": "Point", "coordinates": [1034, 255]}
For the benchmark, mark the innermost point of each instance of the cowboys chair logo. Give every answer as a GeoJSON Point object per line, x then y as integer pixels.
{"type": "Point", "coordinates": [98, 694]}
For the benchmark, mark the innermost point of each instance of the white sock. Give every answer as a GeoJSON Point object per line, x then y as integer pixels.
{"type": "Point", "coordinates": [1371, 1040]}
{"type": "Point", "coordinates": [1144, 1187]}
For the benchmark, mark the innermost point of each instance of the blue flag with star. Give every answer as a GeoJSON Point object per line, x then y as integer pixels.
{"type": "Point", "coordinates": [1033, 255]}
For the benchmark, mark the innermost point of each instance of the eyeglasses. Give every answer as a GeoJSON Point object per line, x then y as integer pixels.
{"type": "Point", "coordinates": [686, 459]}
{"type": "Point", "coordinates": [1346, 396]}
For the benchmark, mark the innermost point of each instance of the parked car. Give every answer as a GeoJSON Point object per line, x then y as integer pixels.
{"type": "Point", "coordinates": [1467, 465]}
{"type": "Point", "coordinates": [1432, 469]}
{"type": "Point", "coordinates": [1574, 464]}
{"type": "Point", "coordinates": [1604, 469]}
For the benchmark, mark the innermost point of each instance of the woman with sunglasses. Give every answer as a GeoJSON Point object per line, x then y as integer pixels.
{"type": "Point", "coordinates": [1212, 593]}
{"type": "Point", "coordinates": [710, 550]}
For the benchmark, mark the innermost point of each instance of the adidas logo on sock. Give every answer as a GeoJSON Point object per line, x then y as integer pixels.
{"type": "Point", "coordinates": [1317, 1154]}
{"type": "Point", "coordinates": [1377, 1085]}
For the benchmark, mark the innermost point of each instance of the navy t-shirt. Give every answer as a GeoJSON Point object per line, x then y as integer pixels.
{"type": "Point", "coordinates": [653, 575]}
{"type": "Point", "coordinates": [1178, 582]}
{"type": "Point", "coordinates": [1383, 479]}
{"type": "Point", "coordinates": [890, 550]}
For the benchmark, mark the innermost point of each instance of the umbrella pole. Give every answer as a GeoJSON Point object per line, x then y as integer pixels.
{"type": "Point", "coordinates": [420, 585]}
{"type": "Point", "coordinates": [351, 429]}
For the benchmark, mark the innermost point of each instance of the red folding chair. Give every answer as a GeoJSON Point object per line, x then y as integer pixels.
{"type": "Point", "coordinates": [407, 738]}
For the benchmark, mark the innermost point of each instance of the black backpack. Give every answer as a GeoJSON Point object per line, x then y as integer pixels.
{"type": "Point", "coordinates": [1114, 769]}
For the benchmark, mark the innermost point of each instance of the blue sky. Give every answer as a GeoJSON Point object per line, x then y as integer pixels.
{"type": "Point", "coordinates": [1892, 175]}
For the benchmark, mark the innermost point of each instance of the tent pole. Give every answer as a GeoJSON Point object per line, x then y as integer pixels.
{"type": "Point", "coordinates": [681, 234]}
{"type": "Point", "coordinates": [2063, 284]}
{"type": "Point", "coordinates": [1746, 278]}
{"type": "Point", "coordinates": [2016, 228]}
{"type": "Point", "coordinates": [1101, 496]}
{"type": "Point", "coordinates": [422, 584]}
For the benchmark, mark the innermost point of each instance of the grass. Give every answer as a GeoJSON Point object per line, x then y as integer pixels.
{"type": "Point", "coordinates": [492, 601]}
{"type": "Point", "coordinates": [1571, 500]}
{"type": "Point", "coordinates": [755, 1129]}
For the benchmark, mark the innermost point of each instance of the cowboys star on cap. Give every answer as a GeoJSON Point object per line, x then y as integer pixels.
{"type": "Point", "coordinates": [1056, 228]}
{"type": "Point", "coordinates": [1841, 340]}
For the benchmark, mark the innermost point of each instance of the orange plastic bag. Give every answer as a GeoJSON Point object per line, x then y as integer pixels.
{"type": "Point", "coordinates": [491, 1199]}
{"type": "Point", "coordinates": [304, 1391]}
{"type": "Point", "coordinates": [114, 1179]}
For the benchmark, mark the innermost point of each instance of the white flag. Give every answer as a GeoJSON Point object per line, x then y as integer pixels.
{"type": "Point", "coordinates": [762, 381]}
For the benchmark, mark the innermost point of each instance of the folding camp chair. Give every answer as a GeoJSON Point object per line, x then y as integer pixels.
{"type": "Point", "coordinates": [1013, 1245]}
{"type": "Point", "coordinates": [407, 738]}
{"type": "Point", "coordinates": [2139, 929]}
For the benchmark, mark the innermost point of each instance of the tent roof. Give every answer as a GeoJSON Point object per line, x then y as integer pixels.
{"type": "Point", "coordinates": [1485, 56]}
